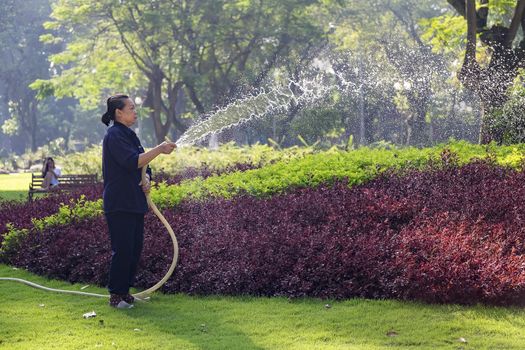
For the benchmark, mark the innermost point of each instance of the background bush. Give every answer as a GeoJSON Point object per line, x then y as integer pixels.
{"type": "Point", "coordinates": [215, 161]}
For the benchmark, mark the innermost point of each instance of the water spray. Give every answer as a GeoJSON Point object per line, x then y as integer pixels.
{"type": "Point", "coordinates": [273, 100]}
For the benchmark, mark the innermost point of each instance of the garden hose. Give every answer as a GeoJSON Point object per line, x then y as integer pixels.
{"type": "Point", "coordinates": [141, 295]}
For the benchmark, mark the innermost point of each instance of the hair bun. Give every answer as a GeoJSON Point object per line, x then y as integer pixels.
{"type": "Point", "coordinates": [113, 103]}
{"type": "Point", "coordinates": [106, 118]}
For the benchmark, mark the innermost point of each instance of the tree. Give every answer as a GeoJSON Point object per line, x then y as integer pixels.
{"type": "Point", "coordinates": [492, 81]}
{"type": "Point", "coordinates": [384, 44]}
{"type": "Point", "coordinates": [208, 49]}
{"type": "Point", "coordinates": [107, 50]}
{"type": "Point", "coordinates": [24, 59]}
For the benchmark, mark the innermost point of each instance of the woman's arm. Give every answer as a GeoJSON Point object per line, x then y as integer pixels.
{"type": "Point", "coordinates": [47, 180]}
{"type": "Point", "coordinates": [164, 148]}
{"type": "Point", "coordinates": [55, 172]}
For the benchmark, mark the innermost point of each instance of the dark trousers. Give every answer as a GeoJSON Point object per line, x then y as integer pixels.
{"type": "Point", "coordinates": [126, 231]}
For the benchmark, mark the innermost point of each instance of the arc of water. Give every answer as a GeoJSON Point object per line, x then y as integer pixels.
{"type": "Point", "coordinates": [264, 103]}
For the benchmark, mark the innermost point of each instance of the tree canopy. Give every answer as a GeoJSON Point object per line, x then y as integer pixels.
{"type": "Point", "coordinates": [419, 71]}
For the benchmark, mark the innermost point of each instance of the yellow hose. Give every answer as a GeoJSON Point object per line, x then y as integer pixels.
{"type": "Point", "coordinates": [173, 240]}
{"type": "Point", "coordinates": [141, 295]}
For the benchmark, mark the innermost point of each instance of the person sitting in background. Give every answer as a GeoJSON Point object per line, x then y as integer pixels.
{"type": "Point", "coordinates": [50, 173]}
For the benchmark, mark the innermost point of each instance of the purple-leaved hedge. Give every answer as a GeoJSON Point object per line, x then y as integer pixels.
{"type": "Point", "coordinates": [447, 235]}
{"type": "Point", "coordinates": [21, 213]}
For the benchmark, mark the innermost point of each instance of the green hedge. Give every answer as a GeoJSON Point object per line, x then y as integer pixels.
{"type": "Point", "coordinates": [67, 213]}
{"type": "Point", "coordinates": [356, 166]}
{"type": "Point", "coordinates": [311, 170]}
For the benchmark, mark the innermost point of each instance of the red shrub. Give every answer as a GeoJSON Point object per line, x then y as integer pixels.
{"type": "Point", "coordinates": [450, 258]}
{"type": "Point", "coordinates": [443, 235]}
{"type": "Point", "coordinates": [21, 213]}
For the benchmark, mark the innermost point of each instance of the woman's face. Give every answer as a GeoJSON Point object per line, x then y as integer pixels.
{"type": "Point", "coordinates": [127, 115]}
{"type": "Point", "coordinates": [51, 163]}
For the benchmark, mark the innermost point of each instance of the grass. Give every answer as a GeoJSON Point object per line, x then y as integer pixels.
{"type": "Point", "coordinates": [34, 319]}
{"type": "Point", "coordinates": [14, 186]}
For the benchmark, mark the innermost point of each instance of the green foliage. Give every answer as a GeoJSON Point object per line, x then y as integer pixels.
{"type": "Point", "coordinates": [398, 80]}
{"type": "Point", "coordinates": [100, 69]}
{"type": "Point", "coordinates": [11, 126]}
{"type": "Point", "coordinates": [445, 33]}
{"type": "Point", "coordinates": [309, 170]}
{"type": "Point", "coordinates": [74, 211]}
{"type": "Point", "coordinates": [500, 11]}
{"type": "Point", "coordinates": [350, 143]}
{"type": "Point", "coordinates": [356, 167]}
{"type": "Point", "coordinates": [23, 60]}
{"type": "Point", "coordinates": [509, 120]}
{"type": "Point", "coordinates": [90, 161]}
{"type": "Point", "coordinates": [87, 162]}
{"type": "Point", "coordinates": [33, 160]}
{"type": "Point", "coordinates": [11, 242]}
{"type": "Point", "coordinates": [44, 88]}
{"type": "Point", "coordinates": [226, 155]}
{"type": "Point", "coordinates": [315, 124]}
{"type": "Point", "coordinates": [141, 47]}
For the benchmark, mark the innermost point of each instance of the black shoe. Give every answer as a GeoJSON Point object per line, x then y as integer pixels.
{"type": "Point", "coordinates": [116, 301]}
{"type": "Point", "coordinates": [128, 298]}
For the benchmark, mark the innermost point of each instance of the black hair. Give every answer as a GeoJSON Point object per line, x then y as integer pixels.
{"type": "Point", "coordinates": [113, 103]}
{"type": "Point", "coordinates": [45, 166]}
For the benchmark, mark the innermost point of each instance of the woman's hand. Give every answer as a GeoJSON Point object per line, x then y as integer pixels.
{"type": "Point", "coordinates": [164, 148]}
{"type": "Point", "coordinates": [167, 147]}
{"type": "Point", "coordinates": [146, 186]}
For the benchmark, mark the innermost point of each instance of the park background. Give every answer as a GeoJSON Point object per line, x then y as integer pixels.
{"type": "Point", "coordinates": [356, 179]}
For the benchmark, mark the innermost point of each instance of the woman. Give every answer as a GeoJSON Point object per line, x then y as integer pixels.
{"type": "Point", "coordinates": [124, 194]}
{"type": "Point", "coordinates": [50, 174]}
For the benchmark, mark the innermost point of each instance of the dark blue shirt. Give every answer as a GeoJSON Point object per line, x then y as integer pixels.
{"type": "Point", "coordinates": [120, 157]}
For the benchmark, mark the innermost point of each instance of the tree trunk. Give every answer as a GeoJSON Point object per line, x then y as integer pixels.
{"type": "Point", "coordinates": [27, 112]}
{"type": "Point", "coordinates": [362, 131]}
{"type": "Point", "coordinates": [194, 98]}
{"type": "Point", "coordinates": [418, 98]}
{"type": "Point", "coordinates": [173, 102]}
{"type": "Point", "coordinates": [491, 83]}
{"type": "Point", "coordinates": [154, 101]}
{"type": "Point", "coordinates": [33, 122]}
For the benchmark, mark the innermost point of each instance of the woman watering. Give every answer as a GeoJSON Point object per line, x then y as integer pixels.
{"type": "Point", "coordinates": [124, 194]}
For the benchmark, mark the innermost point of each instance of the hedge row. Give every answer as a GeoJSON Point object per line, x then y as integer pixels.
{"type": "Point", "coordinates": [312, 170]}
{"type": "Point", "coordinates": [22, 214]}
{"type": "Point", "coordinates": [355, 167]}
{"type": "Point", "coordinates": [59, 207]}
{"type": "Point", "coordinates": [447, 234]}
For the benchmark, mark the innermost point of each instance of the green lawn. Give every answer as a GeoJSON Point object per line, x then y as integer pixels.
{"type": "Point", "coordinates": [34, 319]}
{"type": "Point", "coordinates": [14, 186]}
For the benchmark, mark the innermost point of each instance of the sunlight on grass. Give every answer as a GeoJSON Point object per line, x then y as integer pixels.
{"type": "Point", "coordinates": [14, 186]}
{"type": "Point", "coordinates": [37, 319]}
